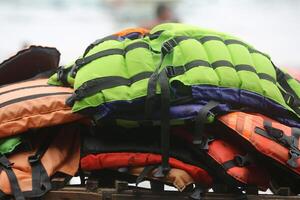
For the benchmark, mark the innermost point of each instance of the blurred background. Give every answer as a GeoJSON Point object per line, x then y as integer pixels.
{"type": "Point", "coordinates": [272, 26]}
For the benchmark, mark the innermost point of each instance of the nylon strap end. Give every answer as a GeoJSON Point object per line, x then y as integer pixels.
{"type": "Point", "coordinates": [70, 101]}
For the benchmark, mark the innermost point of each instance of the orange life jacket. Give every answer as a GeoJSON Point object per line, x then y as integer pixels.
{"type": "Point", "coordinates": [27, 173]}
{"type": "Point", "coordinates": [33, 104]}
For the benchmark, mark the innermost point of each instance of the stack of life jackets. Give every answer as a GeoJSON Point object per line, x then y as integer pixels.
{"type": "Point", "coordinates": [177, 105]}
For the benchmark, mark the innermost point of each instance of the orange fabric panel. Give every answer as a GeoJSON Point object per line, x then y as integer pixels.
{"type": "Point", "coordinates": [177, 177]}
{"type": "Point", "coordinates": [21, 109]}
{"type": "Point", "coordinates": [262, 144]}
{"type": "Point", "coordinates": [63, 155]}
{"type": "Point", "coordinates": [142, 31]}
{"type": "Point", "coordinates": [126, 159]}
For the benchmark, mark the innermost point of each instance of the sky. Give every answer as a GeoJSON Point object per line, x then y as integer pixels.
{"type": "Point", "coordinates": [70, 25]}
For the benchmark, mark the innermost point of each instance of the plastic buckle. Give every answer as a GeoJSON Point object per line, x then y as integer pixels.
{"type": "Point", "coordinates": [60, 72]}
{"type": "Point", "coordinates": [293, 160]}
{"type": "Point", "coordinates": [242, 161]}
{"type": "Point", "coordinates": [34, 159]}
{"type": "Point", "coordinates": [4, 162]}
{"type": "Point", "coordinates": [80, 62]}
{"type": "Point", "coordinates": [290, 99]}
{"type": "Point", "coordinates": [73, 70]}
{"type": "Point", "coordinates": [71, 100]}
{"type": "Point", "coordinates": [170, 71]}
{"type": "Point", "coordinates": [168, 46]}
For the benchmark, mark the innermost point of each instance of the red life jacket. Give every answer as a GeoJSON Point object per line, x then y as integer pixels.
{"type": "Point", "coordinates": [229, 161]}
{"type": "Point", "coordinates": [130, 159]}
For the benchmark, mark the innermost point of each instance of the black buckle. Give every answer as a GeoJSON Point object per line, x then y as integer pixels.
{"type": "Point", "coordinates": [71, 100]}
{"type": "Point", "coordinates": [175, 71]}
{"type": "Point", "coordinates": [74, 70]}
{"type": "Point", "coordinates": [293, 159]}
{"type": "Point", "coordinates": [4, 162]}
{"type": "Point", "coordinates": [60, 72]}
{"type": "Point", "coordinates": [34, 159]}
{"type": "Point", "coordinates": [242, 161]}
{"type": "Point", "coordinates": [80, 62]}
{"type": "Point", "coordinates": [170, 71]}
{"type": "Point", "coordinates": [290, 99]}
{"type": "Point", "coordinates": [168, 46]}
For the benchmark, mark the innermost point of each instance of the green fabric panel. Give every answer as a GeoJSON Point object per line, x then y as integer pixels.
{"type": "Point", "coordinates": [249, 80]}
{"type": "Point", "coordinates": [53, 80]}
{"type": "Point", "coordinates": [190, 50]}
{"type": "Point", "coordinates": [217, 50]}
{"type": "Point", "coordinates": [8, 145]}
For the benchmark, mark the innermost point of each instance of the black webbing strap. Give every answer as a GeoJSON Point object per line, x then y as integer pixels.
{"type": "Point", "coordinates": [201, 139]}
{"type": "Point", "coordinates": [174, 71]}
{"type": "Point", "coordinates": [40, 179]}
{"type": "Point", "coordinates": [155, 35]}
{"type": "Point", "coordinates": [277, 135]}
{"type": "Point", "coordinates": [289, 95]}
{"type": "Point", "coordinates": [169, 45]}
{"type": "Point", "coordinates": [99, 41]}
{"type": "Point", "coordinates": [166, 48]}
{"type": "Point", "coordinates": [238, 161]}
{"type": "Point", "coordinates": [222, 63]}
{"type": "Point", "coordinates": [85, 60]}
{"type": "Point", "coordinates": [14, 185]}
{"type": "Point", "coordinates": [93, 86]}
{"type": "Point", "coordinates": [165, 125]}
{"type": "Point", "coordinates": [265, 76]}
{"type": "Point", "coordinates": [146, 171]}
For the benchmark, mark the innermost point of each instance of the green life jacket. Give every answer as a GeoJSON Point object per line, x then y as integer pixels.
{"type": "Point", "coordinates": [115, 70]}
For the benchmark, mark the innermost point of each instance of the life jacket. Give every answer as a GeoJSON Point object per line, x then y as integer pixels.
{"type": "Point", "coordinates": [28, 63]}
{"type": "Point", "coordinates": [233, 164]}
{"type": "Point", "coordinates": [129, 159]}
{"type": "Point", "coordinates": [28, 172]}
{"type": "Point", "coordinates": [33, 104]}
{"type": "Point", "coordinates": [222, 160]}
{"type": "Point", "coordinates": [275, 143]}
{"type": "Point", "coordinates": [173, 55]}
